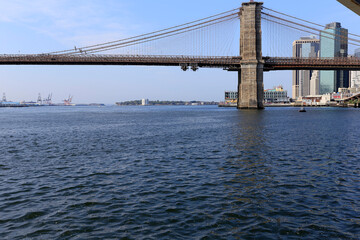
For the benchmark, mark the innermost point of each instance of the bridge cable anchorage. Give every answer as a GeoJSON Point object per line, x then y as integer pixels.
{"type": "Point", "coordinates": [143, 35]}
{"type": "Point", "coordinates": [155, 37]}
{"type": "Point", "coordinates": [319, 25]}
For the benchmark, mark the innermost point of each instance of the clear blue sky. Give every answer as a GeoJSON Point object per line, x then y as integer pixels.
{"type": "Point", "coordinates": [38, 26]}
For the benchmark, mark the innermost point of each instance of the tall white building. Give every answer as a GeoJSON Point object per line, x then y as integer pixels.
{"type": "Point", "coordinates": [314, 83]}
{"type": "Point", "coordinates": [355, 79]}
{"type": "Point", "coordinates": [355, 75]}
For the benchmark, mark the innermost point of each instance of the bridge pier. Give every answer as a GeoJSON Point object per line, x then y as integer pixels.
{"type": "Point", "coordinates": [250, 80]}
{"type": "Point", "coordinates": [250, 86]}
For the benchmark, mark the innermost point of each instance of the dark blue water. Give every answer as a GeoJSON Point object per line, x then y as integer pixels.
{"type": "Point", "coordinates": [179, 173]}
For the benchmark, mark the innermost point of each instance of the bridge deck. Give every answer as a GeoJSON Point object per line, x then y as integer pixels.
{"type": "Point", "coordinates": [228, 63]}
{"type": "Point", "coordinates": [277, 63]}
{"type": "Point", "coordinates": [44, 59]}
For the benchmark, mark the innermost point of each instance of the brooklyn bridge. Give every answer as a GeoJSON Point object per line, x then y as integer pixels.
{"type": "Point", "coordinates": [192, 46]}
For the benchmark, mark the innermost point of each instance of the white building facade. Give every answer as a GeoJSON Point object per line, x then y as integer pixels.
{"type": "Point", "coordinates": [355, 75]}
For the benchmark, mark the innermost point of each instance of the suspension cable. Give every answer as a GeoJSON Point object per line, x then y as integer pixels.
{"type": "Point", "coordinates": [303, 20]}
{"type": "Point", "coordinates": [145, 40]}
{"type": "Point", "coordinates": [302, 30]}
{"type": "Point", "coordinates": [155, 37]}
{"type": "Point", "coordinates": [143, 35]}
{"type": "Point", "coordinates": [308, 27]}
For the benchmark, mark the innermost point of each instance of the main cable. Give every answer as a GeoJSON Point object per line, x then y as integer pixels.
{"type": "Point", "coordinates": [303, 20]}
{"type": "Point", "coordinates": [143, 35]}
{"type": "Point", "coordinates": [145, 40]}
{"type": "Point", "coordinates": [303, 30]}
{"type": "Point", "coordinates": [160, 35]}
{"type": "Point", "coordinates": [308, 27]}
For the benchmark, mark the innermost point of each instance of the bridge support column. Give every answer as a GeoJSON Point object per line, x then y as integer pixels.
{"type": "Point", "coordinates": [251, 86]}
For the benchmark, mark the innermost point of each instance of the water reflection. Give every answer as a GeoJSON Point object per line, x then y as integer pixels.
{"type": "Point", "coordinates": [280, 183]}
{"type": "Point", "coordinates": [249, 175]}
{"type": "Point", "coordinates": [249, 132]}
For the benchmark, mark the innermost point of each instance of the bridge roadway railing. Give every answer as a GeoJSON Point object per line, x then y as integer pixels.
{"type": "Point", "coordinates": [290, 63]}
{"type": "Point", "coordinates": [95, 59]}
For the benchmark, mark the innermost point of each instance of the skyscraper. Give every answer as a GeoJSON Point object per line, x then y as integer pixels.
{"type": "Point", "coordinates": [314, 83]}
{"type": "Point", "coordinates": [305, 47]}
{"type": "Point", "coordinates": [333, 43]}
{"type": "Point", "coordinates": [355, 75]}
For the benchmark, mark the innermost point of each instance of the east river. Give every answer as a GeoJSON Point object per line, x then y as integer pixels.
{"type": "Point", "coordinates": [179, 172]}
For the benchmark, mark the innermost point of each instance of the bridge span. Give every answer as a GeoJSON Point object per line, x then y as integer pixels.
{"type": "Point", "coordinates": [185, 62]}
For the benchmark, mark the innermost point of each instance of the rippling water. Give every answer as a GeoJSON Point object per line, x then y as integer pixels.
{"type": "Point", "coordinates": [179, 173]}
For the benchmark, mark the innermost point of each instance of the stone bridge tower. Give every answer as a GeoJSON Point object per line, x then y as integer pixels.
{"type": "Point", "coordinates": [250, 82]}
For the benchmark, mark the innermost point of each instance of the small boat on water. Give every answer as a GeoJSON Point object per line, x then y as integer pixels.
{"type": "Point", "coordinates": [302, 109]}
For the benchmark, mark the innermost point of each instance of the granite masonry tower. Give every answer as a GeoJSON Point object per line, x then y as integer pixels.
{"type": "Point", "coordinates": [250, 82]}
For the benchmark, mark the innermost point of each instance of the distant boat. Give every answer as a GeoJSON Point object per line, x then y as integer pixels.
{"type": "Point", "coordinates": [302, 109]}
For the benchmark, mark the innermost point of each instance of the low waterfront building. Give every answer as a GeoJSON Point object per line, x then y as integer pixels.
{"type": "Point", "coordinates": [145, 102]}
{"type": "Point", "coordinates": [311, 99]}
{"type": "Point", "coordinates": [276, 95]}
{"type": "Point", "coordinates": [315, 100]}
{"type": "Point", "coordinates": [341, 95]}
{"type": "Point", "coordinates": [231, 97]}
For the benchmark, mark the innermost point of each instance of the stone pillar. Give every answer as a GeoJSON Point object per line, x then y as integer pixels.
{"type": "Point", "coordinates": [239, 88]}
{"type": "Point", "coordinates": [251, 86]}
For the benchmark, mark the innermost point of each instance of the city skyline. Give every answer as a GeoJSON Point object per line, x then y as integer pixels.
{"type": "Point", "coordinates": [55, 25]}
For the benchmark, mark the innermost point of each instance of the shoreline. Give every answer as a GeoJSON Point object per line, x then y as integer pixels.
{"type": "Point", "coordinates": [296, 105]}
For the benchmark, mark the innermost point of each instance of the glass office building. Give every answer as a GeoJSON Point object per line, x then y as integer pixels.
{"type": "Point", "coordinates": [306, 47]}
{"type": "Point", "coordinates": [333, 43]}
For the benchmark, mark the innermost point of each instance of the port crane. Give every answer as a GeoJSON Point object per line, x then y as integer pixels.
{"type": "Point", "coordinates": [67, 102]}
{"type": "Point", "coordinates": [48, 100]}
